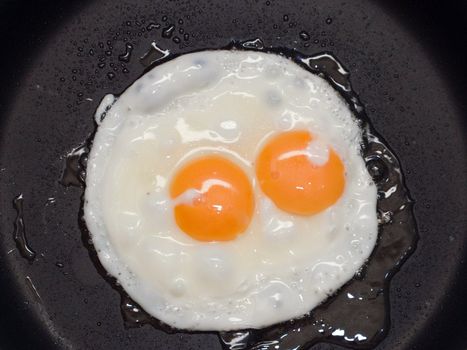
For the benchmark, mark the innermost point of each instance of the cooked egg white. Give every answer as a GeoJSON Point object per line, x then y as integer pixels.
{"type": "Point", "coordinates": [227, 103]}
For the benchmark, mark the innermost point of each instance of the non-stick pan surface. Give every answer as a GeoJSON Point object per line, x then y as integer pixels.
{"type": "Point", "coordinates": [58, 59]}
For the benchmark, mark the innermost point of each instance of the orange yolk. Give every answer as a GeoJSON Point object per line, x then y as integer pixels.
{"type": "Point", "coordinates": [214, 199]}
{"type": "Point", "coordinates": [294, 183]}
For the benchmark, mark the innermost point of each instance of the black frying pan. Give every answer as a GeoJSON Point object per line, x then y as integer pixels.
{"type": "Point", "coordinates": [407, 62]}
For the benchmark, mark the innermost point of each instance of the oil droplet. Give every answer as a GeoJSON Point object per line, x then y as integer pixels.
{"type": "Point", "coordinates": [152, 26]}
{"type": "Point", "coordinates": [168, 31]}
{"type": "Point", "coordinates": [377, 168]}
{"type": "Point", "coordinates": [50, 201]}
{"type": "Point", "coordinates": [253, 44]}
{"type": "Point", "coordinates": [328, 20]}
{"type": "Point", "coordinates": [285, 18]}
{"type": "Point", "coordinates": [154, 54]}
{"type": "Point", "coordinates": [304, 35]}
{"type": "Point", "coordinates": [19, 233]}
{"type": "Point", "coordinates": [132, 313]}
{"type": "Point", "coordinates": [125, 57]}
{"type": "Point", "coordinates": [73, 174]}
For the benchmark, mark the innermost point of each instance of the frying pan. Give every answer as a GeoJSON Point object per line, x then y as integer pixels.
{"type": "Point", "coordinates": [407, 62]}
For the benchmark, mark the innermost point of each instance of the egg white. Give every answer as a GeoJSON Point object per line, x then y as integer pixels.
{"type": "Point", "coordinates": [228, 103]}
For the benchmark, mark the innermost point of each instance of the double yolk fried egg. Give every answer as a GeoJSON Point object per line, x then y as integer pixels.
{"type": "Point", "coordinates": [226, 190]}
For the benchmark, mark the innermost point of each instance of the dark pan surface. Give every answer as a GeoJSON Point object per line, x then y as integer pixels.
{"type": "Point", "coordinates": [407, 63]}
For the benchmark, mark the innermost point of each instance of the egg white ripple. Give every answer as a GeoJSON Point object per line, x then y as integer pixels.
{"type": "Point", "coordinates": [229, 103]}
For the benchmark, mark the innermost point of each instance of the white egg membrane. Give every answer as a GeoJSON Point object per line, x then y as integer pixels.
{"type": "Point", "coordinates": [227, 103]}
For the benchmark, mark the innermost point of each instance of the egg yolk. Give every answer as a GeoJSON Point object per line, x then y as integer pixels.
{"type": "Point", "coordinates": [214, 199]}
{"type": "Point", "coordinates": [290, 178]}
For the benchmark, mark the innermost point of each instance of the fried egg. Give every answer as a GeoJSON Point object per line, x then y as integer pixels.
{"type": "Point", "coordinates": [226, 190]}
